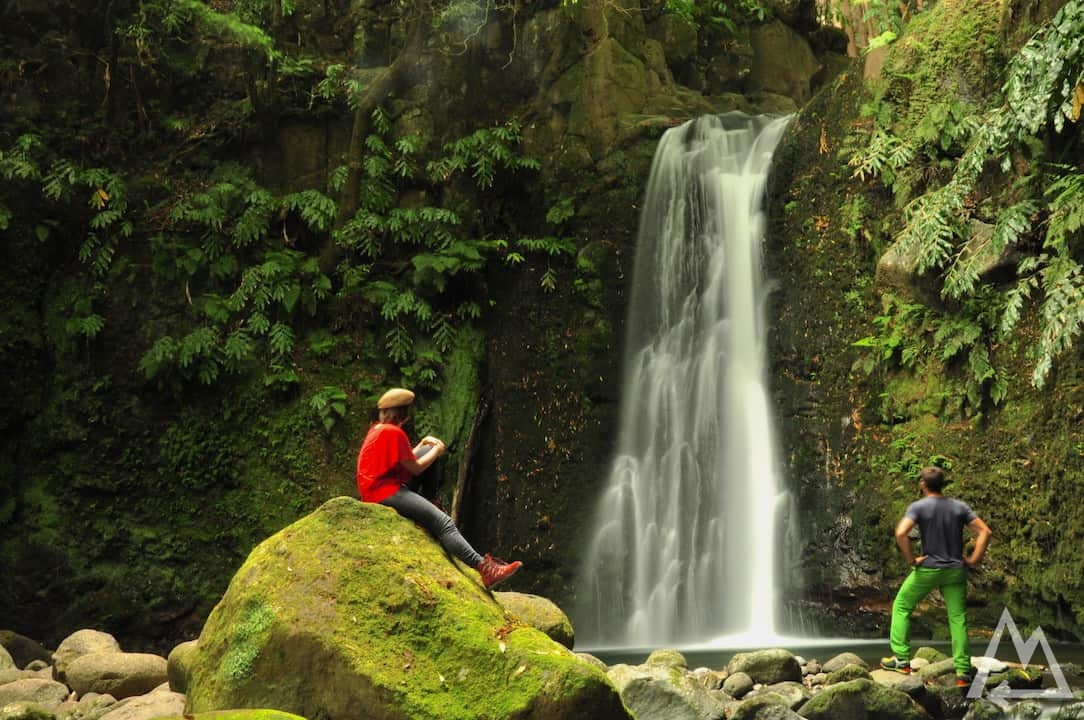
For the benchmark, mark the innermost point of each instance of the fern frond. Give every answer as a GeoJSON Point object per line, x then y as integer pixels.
{"type": "Point", "coordinates": [1062, 313]}
{"type": "Point", "coordinates": [1013, 224]}
{"type": "Point", "coordinates": [1066, 210]}
{"type": "Point", "coordinates": [933, 227]}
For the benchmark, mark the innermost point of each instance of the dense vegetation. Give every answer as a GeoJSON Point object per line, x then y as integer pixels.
{"type": "Point", "coordinates": [229, 225]}
{"type": "Point", "coordinates": [946, 258]}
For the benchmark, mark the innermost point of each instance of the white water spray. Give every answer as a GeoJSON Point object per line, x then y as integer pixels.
{"type": "Point", "coordinates": [685, 544]}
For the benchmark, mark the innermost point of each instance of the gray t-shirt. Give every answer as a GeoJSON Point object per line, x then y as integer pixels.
{"type": "Point", "coordinates": [941, 521]}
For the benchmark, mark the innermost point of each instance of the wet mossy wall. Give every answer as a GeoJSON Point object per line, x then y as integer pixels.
{"type": "Point", "coordinates": [853, 440]}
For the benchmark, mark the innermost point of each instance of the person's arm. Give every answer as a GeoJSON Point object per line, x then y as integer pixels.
{"type": "Point", "coordinates": [903, 540]}
{"type": "Point", "coordinates": [982, 540]}
{"type": "Point", "coordinates": [416, 466]}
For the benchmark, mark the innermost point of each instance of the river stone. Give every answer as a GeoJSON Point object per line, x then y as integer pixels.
{"type": "Point", "coordinates": [179, 665]}
{"type": "Point", "coordinates": [842, 660]}
{"type": "Point", "coordinates": [12, 674]}
{"type": "Point", "coordinates": [858, 700]}
{"type": "Point", "coordinates": [793, 694]}
{"type": "Point", "coordinates": [354, 608]}
{"type": "Point", "coordinates": [671, 659]}
{"type": "Point", "coordinates": [119, 674]}
{"type": "Point", "coordinates": [22, 649]}
{"type": "Point", "coordinates": [25, 710]}
{"type": "Point", "coordinates": [848, 672]}
{"type": "Point", "coordinates": [660, 692]}
{"type": "Point", "coordinates": [158, 704]}
{"type": "Point", "coordinates": [764, 707]}
{"type": "Point", "coordinates": [767, 666]}
{"type": "Point", "coordinates": [6, 661]}
{"type": "Point", "coordinates": [937, 669]}
{"type": "Point", "coordinates": [89, 707]}
{"type": "Point", "coordinates": [257, 714]}
{"type": "Point", "coordinates": [929, 654]}
{"type": "Point", "coordinates": [47, 693]}
{"type": "Point", "coordinates": [738, 684]}
{"type": "Point", "coordinates": [983, 709]}
{"type": "Point", "coordinates": [540, 613]}
{"type": "Point", "coordinates": [81, 642]}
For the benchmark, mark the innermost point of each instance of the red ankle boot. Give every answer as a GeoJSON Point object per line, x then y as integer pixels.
{"type": "Point", "coordinates": [494, 570]}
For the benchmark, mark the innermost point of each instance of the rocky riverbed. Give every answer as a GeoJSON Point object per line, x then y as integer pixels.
{"type": "Point", "coordinates": [90, 677]}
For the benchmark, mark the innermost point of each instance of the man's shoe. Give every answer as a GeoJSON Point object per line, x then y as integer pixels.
{"type": "Point", "coordinates": [896, 665]}
{"type": "Point", "coordinates": [964, 681]}
{"type": "Point", "coordinates": [494, 570]}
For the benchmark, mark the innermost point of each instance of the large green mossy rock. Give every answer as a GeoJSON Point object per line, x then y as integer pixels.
{"type": "Point", "coordinates": [353, 612]}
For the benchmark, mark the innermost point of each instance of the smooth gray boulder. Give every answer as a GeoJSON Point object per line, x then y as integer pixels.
{"type": "Point", "coordinates": [119, 674]}
{"type": "Point", "coordinates": [47, 693]}
{"type": "Point", "coordinates": [79, 643]}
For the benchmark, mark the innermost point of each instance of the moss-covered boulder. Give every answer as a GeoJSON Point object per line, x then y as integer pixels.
{"type": "Point", "coordinates": [767, 666]}
{"type": "Point", "coordinates": [861, 699]}
{"type": "Point", "coordinates": [247, 714]}
{"type": "Point", "coordinates": [353, 611]}
{"type": "Point", "coordinates": [540, 613]}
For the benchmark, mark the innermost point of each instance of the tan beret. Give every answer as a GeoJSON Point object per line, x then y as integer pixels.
{"type": "Point", "coordinates": [396, 397]}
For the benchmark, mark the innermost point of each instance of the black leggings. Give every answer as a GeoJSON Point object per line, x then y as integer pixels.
{"type": "Point", "coordinates": [413, 506]}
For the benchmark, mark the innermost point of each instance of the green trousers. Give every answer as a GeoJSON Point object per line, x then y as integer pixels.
{"type": "Point", "coordinates": [953, 586]}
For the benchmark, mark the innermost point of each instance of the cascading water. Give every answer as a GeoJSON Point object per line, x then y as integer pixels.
{"type": "Point", "coordinates": [685, 547]}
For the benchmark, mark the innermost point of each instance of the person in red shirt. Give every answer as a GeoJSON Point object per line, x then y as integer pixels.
{"type": "Point", "coordinates": [387, 462]}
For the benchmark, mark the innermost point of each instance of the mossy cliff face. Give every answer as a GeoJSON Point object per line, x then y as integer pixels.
{"type": "Point", "coordinates": [126, 502]}
{"type": "Point", "coordinates": [853, 441]}
{"type": "Point", "coordinates": [390, 626]}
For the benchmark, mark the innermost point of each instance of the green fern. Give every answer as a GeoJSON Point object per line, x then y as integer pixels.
{"type": "Point", "coordinates": [933, 226]}
{"type": "Point", "coordinates": [1062, 313]}
{"type": "Point", "coordinates": [1013, 226]}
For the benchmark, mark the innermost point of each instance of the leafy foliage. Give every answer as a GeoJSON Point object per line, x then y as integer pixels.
{"type": "Point", "coordinates": [718, 13]}
{"type": "Point", "coordinates": [1043, 89]}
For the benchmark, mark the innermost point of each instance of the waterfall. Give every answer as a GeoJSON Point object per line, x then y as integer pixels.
{"type": "Point", "coordinates": [685, 532]}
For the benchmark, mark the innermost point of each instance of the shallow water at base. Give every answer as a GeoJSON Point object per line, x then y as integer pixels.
{"type": "Point", "coordinates": [715, 656]}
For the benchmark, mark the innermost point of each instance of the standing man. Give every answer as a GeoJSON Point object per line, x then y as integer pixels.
{"type": "Point", "coordinates": [942, 566]}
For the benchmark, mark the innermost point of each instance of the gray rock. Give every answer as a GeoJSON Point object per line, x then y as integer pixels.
{"type": "Point", "coordinates": [656, 692]}
{"type": "Point", "coordinates": [119, 674]}
{"type": "Point", "coordinates": [6, 661]}
{"type": "Point", "coordinates": [667, 659]}
{"type": "Point", "coordinates": [937, 669]}
{"type": "Point", "coordinates": [983, 709]}
{"type": "Point", "coordinates": [738, 684]}
{"type": "Point", "coordinates": [929, 654]}
{"type": "Point", "coordinates": [540, 613]}
{"type": "Point", "coordinates": [89, 707]}
{"type": "Point", "coordinates": [767, 666]}
{"type": "Point", "coordinates": [12, 674]}
{"type": "Point", "coordinates": [859, 700]}
{"type": "Point", "coordinates": [79, 643]}
{"type": "Point", "coordinates": [847, 672]}
{"type": "Point", "coordinates": [25, 710]}
{"type": "Point", "coordinates": [764, 707]}
{"type": "Point", "coordinates": [783, 63]}
{"type": "Point", "coordinates": [708, 679]}
{"type": "Point", "coordinates": [792, 694]}
{"type": "Point", "coordinates": [22, 649]}
{"type": "Point", "coordinates": [158, 704]}
{"type": "Point", "coordinates": [842, 660]}
{"type": "Point", "coordinates": [47, 693]}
